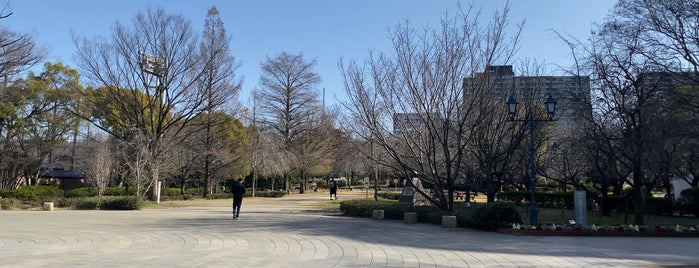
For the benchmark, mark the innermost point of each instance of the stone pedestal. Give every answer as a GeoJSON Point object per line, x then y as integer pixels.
{"type": "Point", "coordinates": [48, 206]}
{"type": "Point", "coordinates": [410, 217]}
{"type": "Point", "coordinates": [377, 214]}
{"type": "Point", "coordinates": [449, 221]}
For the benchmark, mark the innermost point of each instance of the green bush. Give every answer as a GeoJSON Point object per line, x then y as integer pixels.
{"type": "Point", "coordinates": [8, 203]}
{"type": "Point", "coordinates": [220, 196]}
{"type": "Point", "coordinates": [171, 192]}
{"type": "Point", "coordinates": [63, 202]}
{"type": "Point", "coordinates": [78, 192]}
{"type": "Point", "coordinates": [6, 193]}
{"type": "Point", "coordinates": [268, 193]}
{"type": "Point", "coordinates": [194, 191]}
{"type": "Point", "coordinates": [114, 191]}
{"type": "Point", "coordinates": [121, 203]}
{"type": "Point", "coordinates": [389, 195]}
{"type": "Point", "coordinates": [178, 197]}
{"type": "Point", "coordinates": [363, 207]}
{"type": "Point", "coordinates": [37, 193]}
{"type": "Point", "coordinates": [87, 203]}
{"type": "Point", "coordinates": [545, 199]}
{"type": "Point", "coordinates": [690, 200]}
{"type": "Point", "coordinates": [491, 216]}
{"type": "Point", "coordinates": [659, 206]}
{"type": "Point", "coordinates": [396, 211]}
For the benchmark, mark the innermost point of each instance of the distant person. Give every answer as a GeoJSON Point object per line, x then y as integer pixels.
{"type": "Point", "coordinates": [333, 189]}
{"type": "Point", "coordinates": [238, 190]}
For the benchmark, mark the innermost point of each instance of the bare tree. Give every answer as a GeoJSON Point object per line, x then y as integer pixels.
{"type": "Point", "coordinates": [290, 107]}
{"type": "Point", "coordinates": [667, 29]}
{"type": "Point", "coordinates": [411, 102]}
{"type": "Point", "coordinates": [18, 52]}
{"type": "Point", "coordinates": [121, 69]}
{"type": "Point", "coordinates": [218, 83]}
{"type": "Point", "coordinates": [100, 167]}
{"type": "Point", "coordinates": [631, 56]}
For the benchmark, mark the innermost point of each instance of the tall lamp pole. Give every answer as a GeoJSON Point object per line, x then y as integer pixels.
{"type": "Point", "coordinates": [550, 104]}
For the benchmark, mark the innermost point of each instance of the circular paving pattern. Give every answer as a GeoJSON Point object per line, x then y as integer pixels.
{"type": "Point", "coordinates": [285, 233]}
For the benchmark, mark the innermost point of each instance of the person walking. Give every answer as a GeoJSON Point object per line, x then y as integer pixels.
{"type": "Point", "coordinates": [238, 190]}
{"type": "Point", "coordinates": [333, 189]}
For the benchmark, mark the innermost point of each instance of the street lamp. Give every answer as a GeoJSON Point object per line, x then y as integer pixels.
{"type": "Point", "coordinates": [550, 104]}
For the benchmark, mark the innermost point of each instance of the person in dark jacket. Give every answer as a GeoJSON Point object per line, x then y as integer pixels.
{"type": "Point", "coordinates": [238, 190]}
{"type": "Point", "coordinates": [333, 189]}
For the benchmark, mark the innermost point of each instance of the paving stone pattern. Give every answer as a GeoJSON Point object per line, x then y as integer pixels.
{"type": "Point", "coordinates": [287, 233]}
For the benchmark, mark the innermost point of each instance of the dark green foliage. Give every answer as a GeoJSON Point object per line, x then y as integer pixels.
{"type": "Point", "coordinates": [491, 216]}
{"type": "Point", "coordinates": [78, 192]}
{"type": "Point", "coordinates": [6, 193]}
{"type": "Point", "coordinates": [389, 195]}
{"type": "Point", "coordinates": [659, 206]}
{"type": "Point", "coordinates": [8, 203]}
{"type": "Point", "coordinates": [114, 191]}
{"type": "Point", "coordinates": [543, 199]}
{"type": "Point", "coordinates": [171, 192]}
{"type": "Point", "coordinates": [275, 193]}
{"type": "Point", "coordinates": [363, 208]}
{"type": "Point", "coordinates": [177, 197]}
{"type": "Point", "coordinates": [395, 211]}
{"type": "Point", "coordinates": [194, 191]}
{"type": "Point", "coordinates": [37, 193]}
{"type": "Point", "coordinates": [103, 203]}
{"type": "Point", "coordinates": [85, 203]}
{"type": "Point", "coordinates": [690, 200]}
{"type": "Point", "coordinates": [121, 203]}
{"type": "Point", "coordinates": [64, 202]}
{"type": "Point", "coordinates": [220, 196]}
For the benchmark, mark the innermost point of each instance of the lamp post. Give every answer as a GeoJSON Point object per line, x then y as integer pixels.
{"type": "Point", "coordinates": [550, 104]}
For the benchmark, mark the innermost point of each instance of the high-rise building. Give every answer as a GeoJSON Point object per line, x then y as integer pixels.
{"type": "Point", "coordinates": [572, 93]}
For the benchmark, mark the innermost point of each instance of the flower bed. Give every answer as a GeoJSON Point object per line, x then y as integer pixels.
{"type": "Point", "coordinates": [603, 230]}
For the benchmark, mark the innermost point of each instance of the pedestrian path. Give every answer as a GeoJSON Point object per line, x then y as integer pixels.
{"type": "Point", "coordinates": [287, 232]}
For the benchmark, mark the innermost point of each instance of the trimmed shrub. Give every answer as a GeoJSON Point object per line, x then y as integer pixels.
{"type": "Point", "coordinates": [194, 191]}
{"type": "Point", "coordinates": [6, 193]}
{"type": "Point", "coordinates": [88, 203]}
{"type": "Point", "coordinates": [37, 193]}
{"type": "Point", "coordinates": [268, 193]}
{"type": "Point", "coordinates": [546, 199]}
{"type": "Point", "coordinates": [491, 216]}
{"type": "Point", "coordinates": [659, 206]}
{"type": "Point", "coordinates": [121, 203]}
{"type": "Point", "coordinates": [222, 196]}
{"type": "Point", "coordinates": [171, 192]}
{"type": "Point", "coordinates": [8, 203]}
{"type": "Point", "coordinates": [78, 192]}
{"type": "Point", "coordinates": [177, 197]}
{"type": "Point", "coordinates": [362, 207]}
{"type": "Point", "coordinates": [395, 211]}
{"type": "Point", "coordinates": [389, 195]}
{"type": "Point", "coordinates": [114, 191]}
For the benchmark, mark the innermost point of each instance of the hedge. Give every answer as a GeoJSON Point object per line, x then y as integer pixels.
{"type": "Point", "coordinates": [482, 216]}
{"type": "Point", "coordinates": [690, 199]}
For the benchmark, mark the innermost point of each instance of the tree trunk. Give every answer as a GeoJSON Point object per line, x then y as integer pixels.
{"type": "Point", "coordinates": [287, 187]}
{"type": "Point", "coordinates": [638, 205]}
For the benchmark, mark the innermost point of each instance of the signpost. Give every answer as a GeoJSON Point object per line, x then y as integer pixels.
{"type": "Point", "coordinates": [580, 198]}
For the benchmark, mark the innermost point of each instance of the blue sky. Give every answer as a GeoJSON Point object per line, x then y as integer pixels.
{"type": "Point", "coordinates": [323, 30]}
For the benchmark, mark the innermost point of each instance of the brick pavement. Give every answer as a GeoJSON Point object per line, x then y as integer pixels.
{"type": "Point", "coordinates": [287, 233]}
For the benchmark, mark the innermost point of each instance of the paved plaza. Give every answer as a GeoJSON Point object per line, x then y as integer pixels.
{"type": "Point", "coordinates": [287, 232]}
